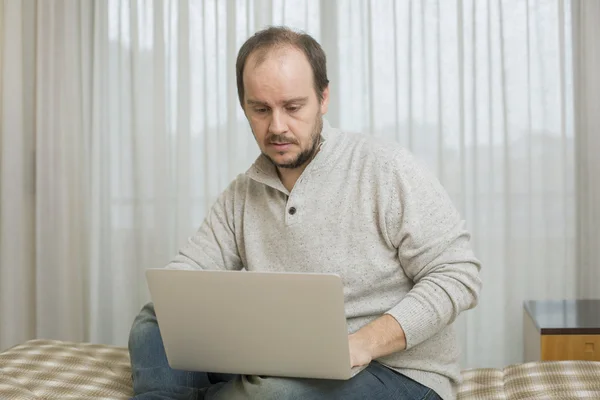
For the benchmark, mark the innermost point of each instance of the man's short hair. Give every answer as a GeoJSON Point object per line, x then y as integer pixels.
{"type": "Point", "coordinates": [277, 37]}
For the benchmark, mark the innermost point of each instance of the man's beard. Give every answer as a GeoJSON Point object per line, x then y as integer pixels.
{"type": "Point", "coordinates": [305, 155]}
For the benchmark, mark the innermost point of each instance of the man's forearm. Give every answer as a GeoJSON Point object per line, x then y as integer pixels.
{"type": "Point", "coordinates": [379, 338]}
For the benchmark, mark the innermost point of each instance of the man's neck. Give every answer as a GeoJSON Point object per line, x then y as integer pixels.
{"type": "Point", "coordinates": [289, 176]}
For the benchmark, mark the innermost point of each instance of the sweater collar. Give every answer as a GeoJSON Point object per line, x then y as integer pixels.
{"type": "Point", "coordinates": [265, 172]}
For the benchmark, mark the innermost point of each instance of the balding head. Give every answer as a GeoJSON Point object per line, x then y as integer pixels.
{"type": "Point", "coordinates": [275, 39]}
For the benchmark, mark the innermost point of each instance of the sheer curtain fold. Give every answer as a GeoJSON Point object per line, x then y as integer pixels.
{"type": "Point", "coordinates": [139, 129]}
{"type": "Point", "coordinates": [61, 231]}
{"type": "Point", "coordinates": [17, 186]}
{"type": "Point", "coordinates": [586, 83]}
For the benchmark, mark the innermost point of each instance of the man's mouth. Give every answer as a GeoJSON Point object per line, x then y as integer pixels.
{"type": "Point", "coordinates": [281, 146]}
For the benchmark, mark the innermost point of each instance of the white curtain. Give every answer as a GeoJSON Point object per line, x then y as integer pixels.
{"type": "Point", "coordinates": [586, 60]}
{"type": "Point", "coordinates": [126, 114]}
{"type": "Point", "coordinates": [17, 184]}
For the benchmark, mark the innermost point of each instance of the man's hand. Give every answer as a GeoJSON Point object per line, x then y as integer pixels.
{"type": "Point", "coordinates": [380, 338]}
{"type": "Point", "coordinates": [360, 354]}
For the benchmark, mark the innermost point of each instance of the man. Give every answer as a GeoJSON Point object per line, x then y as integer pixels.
{"type": "Point", "coordinates": [320, 200]}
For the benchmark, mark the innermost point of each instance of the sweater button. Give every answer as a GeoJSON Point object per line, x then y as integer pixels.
{"type": "Point", "coordinates": [292, 210]}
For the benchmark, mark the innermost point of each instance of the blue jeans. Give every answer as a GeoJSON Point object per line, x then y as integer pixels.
{"type": "Point", "coordinates": [154, 379]}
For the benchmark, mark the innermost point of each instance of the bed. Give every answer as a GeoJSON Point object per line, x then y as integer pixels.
{"type": "Point", "coordinates": [48, 369]}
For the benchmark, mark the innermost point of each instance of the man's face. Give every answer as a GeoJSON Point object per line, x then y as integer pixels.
{"type": "Point", "coordinates": [282, 107]}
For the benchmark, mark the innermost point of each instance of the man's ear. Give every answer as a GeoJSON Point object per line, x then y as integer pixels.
{"type": "Point", "coordinates": [325, 101]}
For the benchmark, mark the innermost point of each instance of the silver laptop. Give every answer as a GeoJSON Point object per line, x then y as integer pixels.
{"type": "Point", "coordinates": [253, 323]}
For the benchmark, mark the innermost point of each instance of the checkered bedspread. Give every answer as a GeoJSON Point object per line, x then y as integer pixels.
{"type": "Point", "coordinates": [550, 380]}
{"type": "Point", "coordinates": [47, 369]}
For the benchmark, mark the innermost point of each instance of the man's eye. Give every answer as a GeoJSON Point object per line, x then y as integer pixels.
{"type": "Point", "coordinates": [260, 110]}
{"type": "Point", "coordinates": [293, 108]}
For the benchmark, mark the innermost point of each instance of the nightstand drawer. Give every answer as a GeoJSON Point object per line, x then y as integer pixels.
{"type": "Point", "coordinates": [561, 330]}
{"type": "Point", "coordinates": [570, 347]}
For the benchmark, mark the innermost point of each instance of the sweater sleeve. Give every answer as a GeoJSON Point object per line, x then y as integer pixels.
{"type": "Point", "coordinates": [214, 245]}
{"type": "Point", "coordinates": [434, 252]}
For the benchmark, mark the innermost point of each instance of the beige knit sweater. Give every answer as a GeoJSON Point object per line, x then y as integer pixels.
{"type": "Point", "coordinates": [368, 211]}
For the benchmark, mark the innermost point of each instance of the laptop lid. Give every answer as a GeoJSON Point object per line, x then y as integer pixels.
{"type": "Point", "coordinates": [253, 323]}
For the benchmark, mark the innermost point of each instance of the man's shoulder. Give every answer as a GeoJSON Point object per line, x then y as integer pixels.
{"type": "Point", "coordinates": [383, 151]}
{"type": "Point", "coordinates": [246, 182]}
{"type": "Point", "coordinates": [384, 157]}
{"type": "Point", "coordinates": [240, 183]}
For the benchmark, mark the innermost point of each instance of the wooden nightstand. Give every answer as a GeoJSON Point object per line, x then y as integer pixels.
{"type": "Point", "coordinates": [561, 330]}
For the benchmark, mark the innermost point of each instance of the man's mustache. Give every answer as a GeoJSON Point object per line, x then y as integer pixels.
{"type": "Point", "coordinates": [279, 139]}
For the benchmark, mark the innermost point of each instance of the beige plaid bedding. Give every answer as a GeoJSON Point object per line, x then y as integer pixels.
{"type": "Point", "coordinates": [564, 380]}
{"type": "Point", "coordinates": [48, 369]}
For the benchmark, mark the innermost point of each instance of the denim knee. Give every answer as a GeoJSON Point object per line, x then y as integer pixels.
{"type": "Point", "coordinates": [144, 330]}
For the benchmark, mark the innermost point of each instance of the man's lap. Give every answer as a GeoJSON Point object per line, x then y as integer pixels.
{"type": "Point", "coordinates": [374, 382]}
{"type": "Point", "coordinates": [154, 379]}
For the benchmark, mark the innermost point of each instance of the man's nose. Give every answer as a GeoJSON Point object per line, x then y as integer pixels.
{"type": "Point", "coordinates": [277, 125]}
